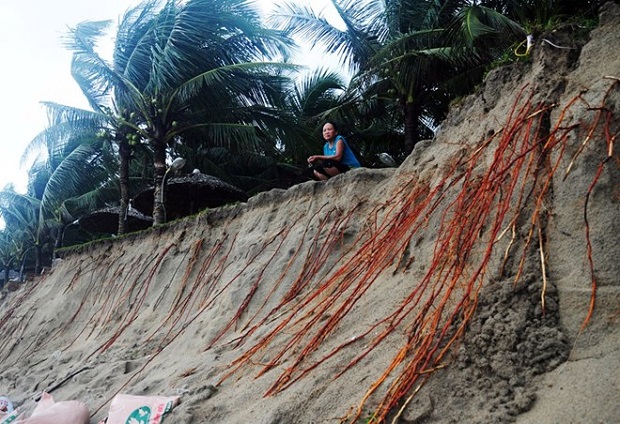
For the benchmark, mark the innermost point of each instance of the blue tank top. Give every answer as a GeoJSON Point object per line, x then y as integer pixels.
{"type": "Point", "coordinates": [348, 157]}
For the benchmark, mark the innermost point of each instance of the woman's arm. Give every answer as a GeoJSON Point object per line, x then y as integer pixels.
{"type": "Point", "coordinates": [339, 150]}
{"type": "Point", "coordinates": [337, 156]}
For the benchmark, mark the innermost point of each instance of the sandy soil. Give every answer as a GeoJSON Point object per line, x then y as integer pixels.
{"type": "Point", "coordinates": [451, 289]}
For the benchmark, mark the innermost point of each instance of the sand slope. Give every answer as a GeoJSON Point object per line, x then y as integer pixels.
{"type": "Point", "coordinates": [452, 289]}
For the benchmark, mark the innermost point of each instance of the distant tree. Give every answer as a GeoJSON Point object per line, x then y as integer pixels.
{"type": "Point", "coordinates": [24, 226]}
{"type": "Point", "coordinates": [9, 253]}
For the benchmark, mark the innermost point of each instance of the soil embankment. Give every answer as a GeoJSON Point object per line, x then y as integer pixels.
{"type": "Point", "coordinates": [452, 289]}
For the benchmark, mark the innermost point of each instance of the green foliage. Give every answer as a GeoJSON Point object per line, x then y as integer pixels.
{"type": "Point", "coordinates": [513, 54]}
{"type": "Point", "coordinates": [206, 80]}
{"type": "Point", "coordinates": [407, 59]}
{"type": "Point", "coordinates": [546, 15]}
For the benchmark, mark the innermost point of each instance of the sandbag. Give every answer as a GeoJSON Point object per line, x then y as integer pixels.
{"type": "Point", "coordinates": [126, 409]}
{"type": "Point", "coordinates": [49, 412]}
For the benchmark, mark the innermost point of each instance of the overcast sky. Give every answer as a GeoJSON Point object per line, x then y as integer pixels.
{"type": "Point", "coordinates": [35, 67]}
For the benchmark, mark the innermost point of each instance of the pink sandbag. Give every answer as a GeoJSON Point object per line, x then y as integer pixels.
{"type": "Point", "coordinates": [140, 409]}
{"type": "Point", "coordinates": [49, 412]}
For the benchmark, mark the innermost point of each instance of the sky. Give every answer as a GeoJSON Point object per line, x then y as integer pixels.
{"type": "Point", "coordinates": [36, 67]}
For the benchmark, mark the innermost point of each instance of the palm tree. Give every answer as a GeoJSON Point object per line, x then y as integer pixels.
{"type": "Point", "coordinates": [69, 179]}
{"type": "Point", "coordinates": [405, 56]}
{"type": "Point", "coordinates": [80, 144]}
{"type": "Point", "coordinates": [183, 69]}
{"type": "Point", "coordinates": [155, 90]}
{"type": "Point", "coordinates": [541, 12]}
{"type": "Point", "coordinates": [98, 80]}
{"type": "Point", "coordinates": [304, 102]}
{"type": "Point", "coordinates": [21, 214]}
{"type": "Point", "coordinates": [8, 254]}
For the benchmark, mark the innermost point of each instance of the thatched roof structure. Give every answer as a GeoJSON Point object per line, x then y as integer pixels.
{"type": "Point", "coordinates": [106, 220]}
{"type": "Point", "coordinates": [190, 194]}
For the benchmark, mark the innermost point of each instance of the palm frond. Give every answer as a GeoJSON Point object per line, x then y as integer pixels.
{"type": "Point", "coordinates": [316, 88]}
{"type": "Point", "coordinates": [302, 22]}
{"type": "Point", "coordinates": [75, 174]}
{"type": "Point", "coordinates": [66, 124]}
{"type": "Point", "coordinates": [235, 79]}
{"type": "Point", "coordinates": [475, 23]}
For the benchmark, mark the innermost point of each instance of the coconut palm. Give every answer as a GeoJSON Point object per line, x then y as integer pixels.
{"type": "Point", "coordinates": [71, 177]}
{"type": "Point", "coordinates": [184, 70]}
{"type": "Point", "coordinates": [9, 253]}
{"type": "Point", "coordinates": [113, 125]}
{"type": "Point", "coordinates": [155, 88]}
{"type": "Point", "coordinates": [81, 145]}
{"type": "Point", "coordinates": [21, 214]}
{"type": "Point", "coordinates": [406, 57]}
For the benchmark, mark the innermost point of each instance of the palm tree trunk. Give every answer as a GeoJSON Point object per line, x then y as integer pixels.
{"type": "Point", "coordinates": [159, 163]}
{"type": "Point", "coordinates": [124, 152]}
{"type": "Point", "coordinates": [6, 276]}
{"type": "Point", "coordinates": [38, 253]}
{"type": "Point", "coordinates": [411, 125]}
{"type": "Point", "coordinates": [58, 238]}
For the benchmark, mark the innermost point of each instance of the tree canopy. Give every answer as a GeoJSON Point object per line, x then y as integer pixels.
{"type": "Point", "coordinates": [216, 84]}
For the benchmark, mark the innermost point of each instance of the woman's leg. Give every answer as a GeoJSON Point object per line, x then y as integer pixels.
{"type": "Point", "coordinates": [330, 168]}
{"type": "Point", "coordinates": [319, 176]}
{"type": "Point", "coordinates": [324, 174]}
{"type": "Point", "coordinates": [332, 171]}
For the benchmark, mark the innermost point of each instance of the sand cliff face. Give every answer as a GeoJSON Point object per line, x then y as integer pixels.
{"type": "Point", "coordinates": [451, 289]}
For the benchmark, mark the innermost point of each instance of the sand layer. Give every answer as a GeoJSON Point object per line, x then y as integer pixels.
{"type": "Point", "coordinates": [451, 289]}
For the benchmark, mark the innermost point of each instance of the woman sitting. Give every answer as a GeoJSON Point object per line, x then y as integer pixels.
{"type": "Point", "coordinates": [337, 156]}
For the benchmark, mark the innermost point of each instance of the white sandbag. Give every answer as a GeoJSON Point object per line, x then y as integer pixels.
{"type": "Point", "coordinates": [128, 409]}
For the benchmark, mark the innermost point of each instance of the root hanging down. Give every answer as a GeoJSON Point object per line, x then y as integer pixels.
{"type": "Point", "coordinates": [484, 218]}
{"type": "Point", "coordinates": [475, 205]}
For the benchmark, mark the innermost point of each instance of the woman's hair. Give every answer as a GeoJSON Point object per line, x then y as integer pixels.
{"type": "Point", "coordinates": [333, 124]}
